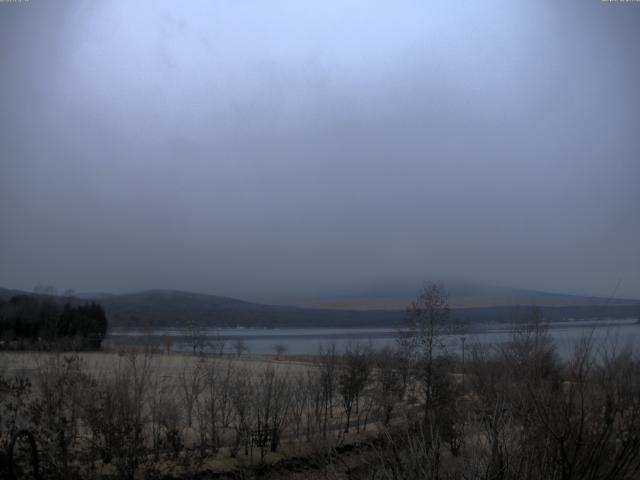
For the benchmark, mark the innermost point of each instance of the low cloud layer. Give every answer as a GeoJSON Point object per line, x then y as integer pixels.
{"type": "Point", "coordinates": [272, 150]}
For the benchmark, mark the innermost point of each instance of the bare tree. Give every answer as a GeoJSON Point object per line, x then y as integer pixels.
{"type": "Point", "coordinates": [389, 388]}
{"type": "Point", "coordinates": [197, 337]}
{"type": "Point", "coordinates": [217, 342]}
{"type": "Point", "coordinates": [239, 346]}
{"type": "Point", "coordinates": [242, 396]}
{"type": "Point", "coordinates": [314, 408]}
{"type": "Point", "coordinates": [589, 428]}
{"type": "Point", "coordinates": [300, 403]}
{"type": "Point", "coordinates": [215, 407]}
{"type": "Point", "coordinates": [428, 319]}
{"type": "Point", "coordinates": [57, 409]}
{"type": "Point", "coordinates": [279, 349]}
{"type": "Point", "coordinates": [169, 418]}
{"type": "Point", "coordinates": [159, 389]}
{"type": "Point", "coordinates": [114, 409]}
{"type": "Point", "coordinates": [327, 362]}
{"type": "Point", "coordinates": [271, 407]}
{"type": "Point", "coordinates": [352, 379]}
{"type": "Point", "coordinates": [192, 383]}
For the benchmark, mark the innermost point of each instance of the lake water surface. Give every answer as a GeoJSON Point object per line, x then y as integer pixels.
{"type": "Point", "coordinates": [309, 340]}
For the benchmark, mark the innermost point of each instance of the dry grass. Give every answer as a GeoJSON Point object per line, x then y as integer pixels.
{"type": "Point", "coordinates": [27, 363]}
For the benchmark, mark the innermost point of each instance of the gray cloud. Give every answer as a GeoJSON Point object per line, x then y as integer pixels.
{"type": "Point", "coordinates": [268, 150]}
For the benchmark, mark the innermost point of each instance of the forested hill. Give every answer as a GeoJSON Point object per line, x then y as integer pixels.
{"type": "Point", "coordinates": [175, 308]}
{"type": "Point", "coordinates": [170, 308]}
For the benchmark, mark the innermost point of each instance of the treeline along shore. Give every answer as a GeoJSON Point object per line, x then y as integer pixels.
{"type": "Point", "coordinates": [45, 321]}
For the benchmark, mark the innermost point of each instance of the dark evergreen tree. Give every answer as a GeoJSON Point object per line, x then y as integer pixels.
{"type": "Point", "coordinates": [37, 319]}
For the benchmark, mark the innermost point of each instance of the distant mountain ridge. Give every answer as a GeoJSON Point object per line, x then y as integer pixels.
{"type": "Point", "coordinates": [461, 295]}
{"type": "Point", "coordinates": [173, 308]}
{"type": "Point", "coordinates": [178, 308]}
{"type": "Point", "coordinates": [521, 298]}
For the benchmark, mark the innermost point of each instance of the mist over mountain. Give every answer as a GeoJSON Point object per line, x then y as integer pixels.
{"type": "Point", "coordinates": [214, 147]}
{"type": "Point", "coordinates": [461, 294]}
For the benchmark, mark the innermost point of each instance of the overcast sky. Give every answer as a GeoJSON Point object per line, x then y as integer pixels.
{"type": "Point", "coordinates": [268, 150]}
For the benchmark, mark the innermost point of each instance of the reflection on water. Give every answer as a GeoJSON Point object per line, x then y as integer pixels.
{"type": "Point", "coordinates": [308, 340]}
